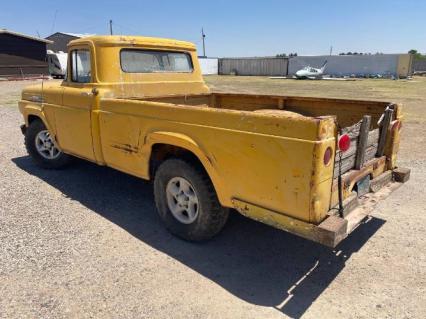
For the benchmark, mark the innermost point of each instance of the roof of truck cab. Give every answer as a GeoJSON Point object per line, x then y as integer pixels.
{"type": "Point", "coordinates": [135, 40]}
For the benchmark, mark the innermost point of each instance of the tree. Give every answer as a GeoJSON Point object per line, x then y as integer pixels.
{"type": "Point", "coordinates": [417, 55]}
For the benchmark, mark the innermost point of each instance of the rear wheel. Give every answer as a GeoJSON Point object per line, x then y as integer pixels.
{"type": "Point", "coordinates": [42, 147]}
{"type": "Point", "coordinates": [187, 202]}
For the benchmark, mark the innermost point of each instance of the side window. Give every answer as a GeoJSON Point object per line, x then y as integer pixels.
{"type": "Point", "coordinates": [80, 66]}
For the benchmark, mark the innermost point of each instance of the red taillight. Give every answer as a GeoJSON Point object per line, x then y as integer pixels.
{"type": "Point", "coordinates": [344, 142]}
{"type": "Point", "coordinates": [327, 155]}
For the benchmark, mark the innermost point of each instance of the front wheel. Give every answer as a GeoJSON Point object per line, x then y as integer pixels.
{"type": "Point", "coordinates": [42, 147]}
{"type": "Point", "coordinates": [187, 202]}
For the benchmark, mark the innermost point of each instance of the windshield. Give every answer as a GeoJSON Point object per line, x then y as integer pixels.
{"type": "Point", "coordinates": [150, 61]}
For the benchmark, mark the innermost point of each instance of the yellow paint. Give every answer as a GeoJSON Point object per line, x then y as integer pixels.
{"type": "Point", "coordinates": [270, 159]}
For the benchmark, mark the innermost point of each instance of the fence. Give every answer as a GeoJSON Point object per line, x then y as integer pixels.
{"type": "Point", "coordinates": [254, 66]}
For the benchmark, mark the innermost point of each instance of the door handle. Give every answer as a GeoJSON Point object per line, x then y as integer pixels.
{"type": "Point", "coordinates": [91, 93]}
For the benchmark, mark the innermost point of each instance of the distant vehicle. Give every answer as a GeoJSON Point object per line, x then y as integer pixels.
{"type": "Point", "coordinates": [309, 72]}
{"type": "Point", "coordinates": [57, 62]}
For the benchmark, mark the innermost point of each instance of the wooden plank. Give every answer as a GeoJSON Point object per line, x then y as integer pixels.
{"type": "Point", "coordinates": [351, 151]}
{"type": "Point", "coordinates": [370, 153]}
{"type": "Point", "coordinates": [373, 137]}
{"type": "Point", "coordinates": [387, 118]}
{"type": "Point", "coordinates": [331, 231]}
{"type": "Point", "coordinates": [350, 203]}
{"type": "Point", "coordinates": [401, 174]}
{"type": "Point", "coordinates": [348, 157]}
{"type": "Point", "coordinates": [348, 163]}
{"type": "Point", "coordinates": [377, 183]}
{"type": "Point", "coordinates": [352, 131]}
{"type": "Point", "coordinates": [362, 141]}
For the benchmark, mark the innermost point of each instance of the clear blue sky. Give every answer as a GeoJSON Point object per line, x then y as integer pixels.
{"type": "Point", "coordinates": [237, 28]}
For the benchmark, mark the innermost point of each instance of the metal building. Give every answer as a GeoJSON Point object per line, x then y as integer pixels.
{"type": "Point", "coordinates": [22, 55]}
{"type": "Point", "coordinates": [419, 65]}
{"type": "Point", "coordinates": [208, 66]}
{"type": "Point", "coordinates": [398, 65]}
{"type": "Point", "coordinates": [61, 40]}
{"type": "Point", "coordinates": [271, 66]}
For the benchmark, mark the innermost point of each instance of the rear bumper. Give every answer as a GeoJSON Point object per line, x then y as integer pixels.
{"type": "Point", "coordinates": [333, 229]}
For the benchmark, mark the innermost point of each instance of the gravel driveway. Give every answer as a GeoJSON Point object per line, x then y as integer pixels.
{"type": "Point", "coordinates": [86, 242]}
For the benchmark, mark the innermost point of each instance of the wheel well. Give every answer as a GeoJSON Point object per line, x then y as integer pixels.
{"type": "Point", "coordinates": [32, 118]}
{"type": "Point", "coordinates": [162, 152]}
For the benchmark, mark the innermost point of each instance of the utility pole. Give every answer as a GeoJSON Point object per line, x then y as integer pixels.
{"type": "Point", "coordinates": [331, 49]}
{"type": "Point", "coordinates": [204, 45]}
{"type": "Point", "coordinates": [110, 27]}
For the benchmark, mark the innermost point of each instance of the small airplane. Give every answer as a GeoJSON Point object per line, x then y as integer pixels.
{"type": "Point", "coordinates": [309, 72]}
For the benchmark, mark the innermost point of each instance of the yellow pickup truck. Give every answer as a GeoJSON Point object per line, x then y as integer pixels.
{"type": "Point", "coordinates": [310, 166]}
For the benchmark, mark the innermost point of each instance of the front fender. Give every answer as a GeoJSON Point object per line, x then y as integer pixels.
{"type": "Point", "coordinates": [30, 109]}
{"type": "Point", "coordinates": [186, 142]}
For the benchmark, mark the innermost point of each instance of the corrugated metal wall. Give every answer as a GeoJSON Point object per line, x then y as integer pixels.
{"type": "Point", "coordinates": [20, 56]}
{"type": "Point", "coordinates": [359, 65]}
{"type": "Point", "coordinates": [208, 65]}
{"type": "Point", "coordinates": [254, 66]}
{"type": "Point", "coordinates": [419, 65]}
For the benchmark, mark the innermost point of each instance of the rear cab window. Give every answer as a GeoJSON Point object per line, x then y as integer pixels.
{"type": "Point", "coordinates": [155, 61]}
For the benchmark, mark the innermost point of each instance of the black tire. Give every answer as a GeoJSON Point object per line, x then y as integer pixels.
{"type": "Point", "coordinates": [211, 217]}
{"type": "Point", "coordinates": [30, 143]}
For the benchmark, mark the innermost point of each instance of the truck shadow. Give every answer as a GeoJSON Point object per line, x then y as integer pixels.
{"type": "Point", "coordinates": [255, 262]}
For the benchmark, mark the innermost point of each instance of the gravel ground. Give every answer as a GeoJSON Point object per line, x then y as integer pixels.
{"type": "Point", "coordinates": [86, 242]}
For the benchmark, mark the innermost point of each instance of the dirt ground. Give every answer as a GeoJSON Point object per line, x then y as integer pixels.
{"type": "Point", "coordinates": [86, 242]}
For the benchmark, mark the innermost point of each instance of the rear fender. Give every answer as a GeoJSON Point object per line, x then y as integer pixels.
{"type": "Point", "coordinates": [187, 143]}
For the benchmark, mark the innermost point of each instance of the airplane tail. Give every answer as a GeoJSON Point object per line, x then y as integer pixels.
{"type": "Point", "coordinates": [323, 66]}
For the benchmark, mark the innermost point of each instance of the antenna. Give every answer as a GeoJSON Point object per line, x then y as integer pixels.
{"type": "Point", "coordinates": [110, 27]}
{"type": "Point", "coordinates": [54, 21]}
{"type": "Point", "coordinates": [204, 45]}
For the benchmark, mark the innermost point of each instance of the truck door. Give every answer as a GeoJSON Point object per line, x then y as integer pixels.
{"type": "Point", "coordinates": [73, 117]}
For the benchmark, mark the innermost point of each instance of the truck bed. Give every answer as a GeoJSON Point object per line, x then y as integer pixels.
{"type": "Point", "coordinates": [347, 112]}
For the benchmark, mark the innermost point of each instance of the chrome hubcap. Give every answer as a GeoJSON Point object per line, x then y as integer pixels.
{"type": "Point", "coordinates": [45, 145]}
{"type": "Point", "coordinates": [182, 200]}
